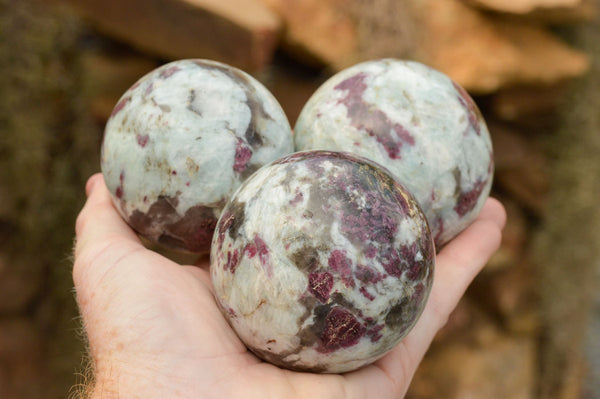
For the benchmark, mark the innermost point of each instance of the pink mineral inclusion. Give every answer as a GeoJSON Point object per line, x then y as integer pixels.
{"type": "Point", "coordinates": [259, 247]}
{"type": "Point", "coordinates": [339, 263]}
{"type": "Point", "coordinates": [375, 122]}
{"type": "Point", "coordinates": [366, 293]}
{"type": "Point", "coordinates": [374, 333]}
{"type": "Point", "coordinates": [467, 102]}
{"type": "Point", "coordinates": [120, 105]}
{"type": "Point", "coordinates": [242, 156]}
{"type": "Point", "coordinates": [341, 330]}
{"type": "Point", "coordinates": [320, 284]}
{"type": "Point", "coordinates": [467, 200]}
{"type": "Point", "coordinates": [170, 71]}
{"type": "Point", "coordinates": [142, 140]}
{"type": "Point", "coordinates": [233, 259]}
{"type": "Point", "coordinates": [119, 190]}
{"type": "Point", "coordinates": [297, 199]}
{"type": "Point", "coordinates": [368, 275]}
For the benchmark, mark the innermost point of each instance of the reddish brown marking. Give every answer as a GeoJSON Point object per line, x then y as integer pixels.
{"type": "Point", "coordinates": [142, 139]}
{"type": "Point", "coordinates": [149, 89]}
{"type": "Point", "coordinates": [341, 330]}
{"type": "Point", "coordinates": [418, 293]}
{"type": "Point", "coordinates": [231, 312]}
{"type": "Point", "coordinates": [226, 222]}
{"type": "Point", "coordinates": [320, 284]}
{"type": "Point", "coordinates": [375, 122]}
{"type": "Point", "coordinates": [191, 231]}
{"type": "Point", "coordinates": [366, 293]}
{"type": "Point", "coordinates": [467, 102]}
{"type": "Point", "coordinates": [368, 275]}
{"type": "Point", "coordinates": [372, 223]}
{"type": "Point", "coordinates": [297, 199]}
{"type": "Point", "coordinates": [467, 200]}
{"type": "Point", "coordinates": [136, 85]}
{"type": "Point", "coordinates": [392, 263]}
{"type": "Point", "coordinates": [259, 247]}
{"type": "Point", "coordinates": [339, 263]}
{"type": "Point", "coordinates": [168, 72]}
{"type": "Point", "coordinates": [250, 250]}
{"type": "Point", "coordinates": [371, 252]}
{"type": "Point", "coordinates": [374, 333]}
{"type": "Point", "coordinates": [233, 260]}
{"type": "Point", "coordinates": [120, 105]}
{"type": "Point", "coordinates": [119, 190]}
{"type": "Point", "coordinates": [243, 153]}
{"type": "Point", "coordinates": [414, 268]}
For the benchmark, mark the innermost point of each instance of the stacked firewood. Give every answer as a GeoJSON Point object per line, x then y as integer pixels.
{"type": "Point", "coordinates": [485, 45]}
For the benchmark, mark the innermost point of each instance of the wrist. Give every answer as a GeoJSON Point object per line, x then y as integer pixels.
{"type": "Point", "coordinates": [120, 380]}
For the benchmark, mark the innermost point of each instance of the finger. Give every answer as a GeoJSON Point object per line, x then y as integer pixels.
{"type": "Point", "coordinates": [99, 218]}
{"type": "Point", "coordinates": [92, 181]}
{"type": "Point", "coordinates": [98, 227]}
{"type": "Point", "coordinates": [493, 210]}
{"type": "Point", "coordinates": [456, 266]}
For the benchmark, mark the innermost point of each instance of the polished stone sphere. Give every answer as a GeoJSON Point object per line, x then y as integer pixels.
{"type": "Point", "coordinates": [416, 122]}
{"type": "Point", "coordinates": [322, 262]}
{"type": "Point", "coordinates": [181, 140]}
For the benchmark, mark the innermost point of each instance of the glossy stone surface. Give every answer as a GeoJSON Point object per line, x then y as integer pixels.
{"type": "Point", "coordinates": [181, 140]}
{"type": "Point", "coordinates": [416, 122]}
{"type": "Point", "coordinates": [322, 262]}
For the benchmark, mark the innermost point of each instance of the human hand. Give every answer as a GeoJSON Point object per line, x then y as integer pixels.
{"type": "Point", "coordinates": [155, 331]}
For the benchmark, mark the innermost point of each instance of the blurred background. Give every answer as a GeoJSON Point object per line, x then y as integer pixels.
{"type": "Point", "coordinates": [529, 326]}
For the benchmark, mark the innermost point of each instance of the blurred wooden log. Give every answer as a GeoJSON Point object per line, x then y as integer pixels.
{"type": "Point", "coordinates": [534, 107]}
{"type": "Point", "coordinates": [521, 168]}
{"type": "Point", "coordinates": [107, 76]}
{"type": "Point", "coordinates": [514, 237]}
{"type": "Point", "coordinates": [320, 32]}
{"type": "Point", "coordinates": [243, 33]}
{"type": "Point", "coordinates": [482, 52]}
{"type": "Point", "coordinates": [545, 11]}
{"type": "Point", "coordinates": [292, 85]}
{"type": "Point", "coordinates": [21, 358]}
{"type": "Point", "coordinates": [21, 281]}
{"type": "Point", "coordinates": [485, 53]}
{"type": "Point", "coordinates": [509, 295]}
{"type": "Point", "coordinates": [503, 368]}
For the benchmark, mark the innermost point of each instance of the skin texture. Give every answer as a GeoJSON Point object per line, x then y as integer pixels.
{"type": "Point", "coordinates": [155, 330]}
